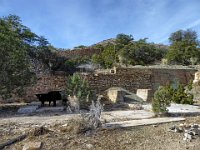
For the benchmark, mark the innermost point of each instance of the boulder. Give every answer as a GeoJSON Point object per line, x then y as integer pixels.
{"type": "Point", "coordinates": [32, 146]}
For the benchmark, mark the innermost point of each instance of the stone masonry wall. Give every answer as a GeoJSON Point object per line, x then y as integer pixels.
{"type": "Point", "coordinates": [139, 78]}
{"type": "Point", "coordinates": [46, 83]}
{"type": "Point", "coordinates": [131, 79]}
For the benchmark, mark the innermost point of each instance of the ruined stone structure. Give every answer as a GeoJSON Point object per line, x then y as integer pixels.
{"type": "Point", "coordinates": [196, 87]}
{"type": "Point", "coordinates": [141, 78]}
{"type": "Point", "coordinates": [46, 83]}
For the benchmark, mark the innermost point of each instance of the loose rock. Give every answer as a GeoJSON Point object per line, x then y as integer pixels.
{"type": "Point", "coordinates": [32, 146]}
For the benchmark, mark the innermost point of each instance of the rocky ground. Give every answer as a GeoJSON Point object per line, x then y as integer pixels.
{"type": "Point", "coordinates": [140, 138]}
{"type": "Point", "coordinates": [57, 134]}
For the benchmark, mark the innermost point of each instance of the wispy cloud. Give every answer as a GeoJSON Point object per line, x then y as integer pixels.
{"type": "Point", "coordinates": [68, 23]}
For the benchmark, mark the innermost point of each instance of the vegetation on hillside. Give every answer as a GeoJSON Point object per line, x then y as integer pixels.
{"type": "Point", "coordinates": [184, 48]}
{"type": "Point", "coordinates": [126, 51]}
{"type": "Point", "coordinates": [16, 42]}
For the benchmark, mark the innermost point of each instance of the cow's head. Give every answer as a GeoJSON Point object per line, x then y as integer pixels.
{"type": "Point", "coordinates": [38, 95]}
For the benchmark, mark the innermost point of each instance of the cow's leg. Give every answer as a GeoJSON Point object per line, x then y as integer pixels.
{"type": "Point", "coordinates": [64, 102]}
{"type": "Point", "coordinates": [42, 102]}
{"type": "Point", "coordinates": [50, 103]}
{"type": "Point", "coordinates": [54, 103]}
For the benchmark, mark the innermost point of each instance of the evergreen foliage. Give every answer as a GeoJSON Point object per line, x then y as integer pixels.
{"type": "Point", "coordinates": [15, 42]}
{"type": "Point", "coordinates": [184, 48]}
{"type": "Point", "coordinates": [167, 94]}
{"type": "Point", "coordinates": [78, 87]}
{"type": "Point", "coordinates": [161, 100]}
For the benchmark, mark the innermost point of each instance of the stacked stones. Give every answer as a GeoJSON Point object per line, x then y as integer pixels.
{"type": "Point", "coordinates": [190, 130]}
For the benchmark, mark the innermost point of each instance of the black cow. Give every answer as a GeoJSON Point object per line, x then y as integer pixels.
{"type": "Point", "coordinates": [50, 96]}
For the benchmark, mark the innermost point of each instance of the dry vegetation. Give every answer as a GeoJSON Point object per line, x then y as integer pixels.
{"type": "Point", "coordinates": [68, 136]}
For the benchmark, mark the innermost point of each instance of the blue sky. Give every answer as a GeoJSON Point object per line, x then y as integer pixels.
{"type": "Point", "coordinates": [69, 23]}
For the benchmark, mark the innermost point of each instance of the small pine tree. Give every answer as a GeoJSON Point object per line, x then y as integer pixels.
{"type": "Point", "coordinates": [182, 95]}
{"type": "Point", "coordinates": [161, 100]}
{"type": "Point", "coordinates": [78, 88]}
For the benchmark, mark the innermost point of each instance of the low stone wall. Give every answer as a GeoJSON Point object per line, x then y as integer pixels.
{"type": "Point", "coordinates": [131, 82]}
{"type": "Point", "coordinates": [133, 79]}
{"type": "Point", "coordinates": [46, 83]}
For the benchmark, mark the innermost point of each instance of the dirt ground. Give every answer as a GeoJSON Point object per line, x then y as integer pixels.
{"type": "Point", "coordinates": [62, 136]}
{"type": "Point", "coordinates": [138, 138]}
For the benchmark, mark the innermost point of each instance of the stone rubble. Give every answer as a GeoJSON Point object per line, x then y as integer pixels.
{"type": "Point", "coordinates": [190, 131]}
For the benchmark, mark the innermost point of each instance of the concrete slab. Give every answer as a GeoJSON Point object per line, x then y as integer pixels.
{"type": "Point", "coordinates": [108, 116]}
{"type": "Point", "coordinates": [127, 115]}
{"type": "Point", "coordinates": [50, 109]}
{"type": "Point", "coordinates": [179, 109]}
{"type": "Point", "coordinates": [133, 123]}
{"type": "Point", "coordinates": [27, 109]}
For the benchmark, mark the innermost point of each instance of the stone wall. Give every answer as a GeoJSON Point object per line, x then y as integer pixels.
{"type": "Point", "coordinates": [133, 79]}
{"type": "Point", "coordinates": [46, 83]}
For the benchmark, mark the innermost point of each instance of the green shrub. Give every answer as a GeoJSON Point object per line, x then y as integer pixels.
{"type": "Point", "coordinates": [167, 94]}
{"type": "Point", "coordinates": [79, 88]}
{"type": "Point", "coordinates": [181, 95]}
{"type": "Point", "coordinates": [161, 100]}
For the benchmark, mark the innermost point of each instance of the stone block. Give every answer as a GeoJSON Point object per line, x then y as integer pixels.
{"type": "Point", "coordinates": [32, 146]}
{"type": "Point", "coordinates": [116, 95]}
{"type": "Point", "coordinates": [145, 94]}
{"type": "Point", "coordinates": [196, 77]}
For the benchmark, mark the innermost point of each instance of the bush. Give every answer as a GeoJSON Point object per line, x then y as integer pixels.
{"type": "Point", "coordinates": [78, 89]}
{"type": "Point", "coordinates": [92, 120]}
{"type": "Point", "coordinates": [181, 95]}
{"type": "Point", "coordinates": [165, 95]}
{"type": "Point", "coordinates": [87, 122]}
{"type": "Point", "coordinates": [161, 100]}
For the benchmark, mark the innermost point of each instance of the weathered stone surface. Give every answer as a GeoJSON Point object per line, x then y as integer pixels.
{"type": "Point", "coordinates": [89, 146]}
{"type": "Point", "coordinates": [130, 79]}
{"type": "Point", "coordinates": [183, 109]}
{"type": "Point", "coordinates": [45, 83]}
{"type": "Point", "coordinates": [32, 146]}
{"type": "Point", "coordinates": [196, 87]}
{"type": "Point", "coordinates": [196, 77]}
{"type": "Point", "coordinates": [187, 137]}
{"type": "Point", "coordinates": [50, 109]}
{"type": "Point", "coordinates": [190, 130]}
{"type": "Point", "coordinates": [141, 122]}
{"type": "Point", "coordinates": [28, 109]}
{"type": "Point", "coordinates": [145, 94]}
{"type": "Point", "coordinates": [116, 95]}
